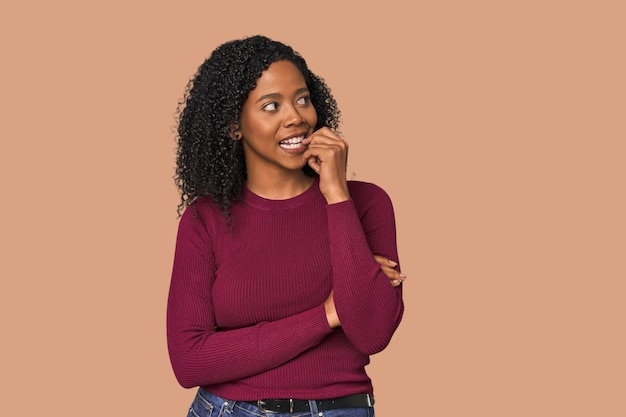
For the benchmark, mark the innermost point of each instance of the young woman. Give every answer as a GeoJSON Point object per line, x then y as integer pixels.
{"type": "Point", "coordinates": [285, 276]}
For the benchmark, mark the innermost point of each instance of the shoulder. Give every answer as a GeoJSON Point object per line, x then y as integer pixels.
{"type": "Point", "coordinates": [367, 194]}
{"type": "Point", "coordinates": [362, 188]}
{"type": "Point", "coordinates": [202, 213]}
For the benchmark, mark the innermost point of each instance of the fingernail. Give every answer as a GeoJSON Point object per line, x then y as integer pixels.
{"type": "Point", "coordinates": [403, 277]}
{"type": "Point", "coordinates": [392, 263]}
{"type": "Point", "coordinates": [396, 282]}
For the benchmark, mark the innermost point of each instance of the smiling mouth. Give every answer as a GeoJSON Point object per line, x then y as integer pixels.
{"type": "Point", "coordinates": [291, 143]}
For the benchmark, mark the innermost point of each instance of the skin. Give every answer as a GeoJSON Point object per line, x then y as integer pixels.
{"type": "Point", "coordinates": [279, 108]}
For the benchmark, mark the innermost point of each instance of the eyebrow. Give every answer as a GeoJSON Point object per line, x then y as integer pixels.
{"type": "Point", "coordinates": [277, 95]}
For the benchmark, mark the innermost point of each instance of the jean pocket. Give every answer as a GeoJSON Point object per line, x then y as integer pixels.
{"type": "Point", "coordinates": [200, 407]}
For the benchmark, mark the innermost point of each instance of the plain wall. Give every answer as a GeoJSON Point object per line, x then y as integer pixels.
{"type": "Point", "coordinates": [497, 128]}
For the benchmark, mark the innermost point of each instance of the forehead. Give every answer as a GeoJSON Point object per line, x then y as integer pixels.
{"type": "Point", "coordinates": [280, 76]}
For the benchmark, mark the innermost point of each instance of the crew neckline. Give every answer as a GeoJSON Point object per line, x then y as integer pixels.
{"type": "Point", "coordinates": [263, 203]}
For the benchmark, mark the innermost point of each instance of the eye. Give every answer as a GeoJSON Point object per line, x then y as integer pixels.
{"type": "Point", "coordinates": [273, 106]}
{"type": "Point", "coordinates": [304, 100]}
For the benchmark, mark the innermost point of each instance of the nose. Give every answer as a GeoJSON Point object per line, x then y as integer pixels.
{"type": "Point", "coordinates": [292, 116]}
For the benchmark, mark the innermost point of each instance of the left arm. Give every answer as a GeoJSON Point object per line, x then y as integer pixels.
{"type": "Point", "coordinates": [367, 307]}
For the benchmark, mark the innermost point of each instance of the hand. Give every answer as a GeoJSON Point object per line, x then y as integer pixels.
{"type": "Point", "coordinates": [327, 154]}
{"type": "Point", "coordinates": [395, 279]}
{"type": "Point", "coordinates": [387, 265]}
{"type": "Point", "coordinates": [331, 312]}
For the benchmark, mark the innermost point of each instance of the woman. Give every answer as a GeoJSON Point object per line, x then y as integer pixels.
{"type": "Point", "coordinates": [276, 299]}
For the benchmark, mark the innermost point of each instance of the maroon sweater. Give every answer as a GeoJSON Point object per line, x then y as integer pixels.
{"type": "Point", "coordinates": [245, 317]}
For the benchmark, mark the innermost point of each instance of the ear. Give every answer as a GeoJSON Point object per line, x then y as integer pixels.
{"type": "Point", "coordinates": [234, 131]}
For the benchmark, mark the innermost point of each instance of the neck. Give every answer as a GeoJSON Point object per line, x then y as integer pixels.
{"type": "Point", "coordinates": [279, 186]}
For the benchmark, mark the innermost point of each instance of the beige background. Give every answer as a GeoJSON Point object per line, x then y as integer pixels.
{"type": "Point", "coordinates": [497, 127]}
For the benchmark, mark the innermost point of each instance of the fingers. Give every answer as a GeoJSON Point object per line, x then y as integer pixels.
{"type": "Point", "coordinates": [327, 155]}
{"type": "Point", "coordinates": [324, 132]}
{"type": "Point", "coordinates": [384, 261]}
{"type": "Point", "coordinates": [387, 266]}
{"type": "Point", "coordinates": [395, 278]}
{"type": "Point", "coordinates": [325, 146]}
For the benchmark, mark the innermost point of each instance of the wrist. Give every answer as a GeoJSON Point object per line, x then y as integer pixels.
{"type": "Point", "coordinates": [337, 196]}
{"type": "Point", "coordinates": [331, 315]}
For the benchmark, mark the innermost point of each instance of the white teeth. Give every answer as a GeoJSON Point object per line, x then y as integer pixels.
{"type": "Point", "coordinates": [293, 140]}
{"type": "Point", "coordinates": [291, 143]}
{"type": "Point", "coordinates": [290, 146]}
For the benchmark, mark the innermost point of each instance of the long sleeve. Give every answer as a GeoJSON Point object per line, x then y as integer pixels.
{"type": "Point", "coordinates": [245, 314]}
{"type": "Point", "coordinates": [369, 308]}
{"type": "Point", "coordinates": [200, 353]}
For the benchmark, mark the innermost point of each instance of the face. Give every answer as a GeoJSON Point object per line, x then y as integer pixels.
{"type": "Point", "coordinates": [275, 118]}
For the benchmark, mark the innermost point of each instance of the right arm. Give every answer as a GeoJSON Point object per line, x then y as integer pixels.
{"type": "Point", "coordinates": [202, 355]}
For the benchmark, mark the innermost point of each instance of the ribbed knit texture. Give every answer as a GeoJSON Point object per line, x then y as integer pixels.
{"type": "Point", "coordinates": [245, 316]}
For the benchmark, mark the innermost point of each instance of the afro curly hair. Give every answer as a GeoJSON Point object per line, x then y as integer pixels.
{"type": "Point", "coordinates": [209, 162]}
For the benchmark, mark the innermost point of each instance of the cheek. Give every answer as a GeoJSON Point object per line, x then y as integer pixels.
{"type": "Point", "coordinates": [312, 117]}
{"type": "Point", "coordinates": [255, 127]}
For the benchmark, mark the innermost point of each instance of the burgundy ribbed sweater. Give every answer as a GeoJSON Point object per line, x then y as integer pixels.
{"type": "Point", "coordinates": [245, 316]}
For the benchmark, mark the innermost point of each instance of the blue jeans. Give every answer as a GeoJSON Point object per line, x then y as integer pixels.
{"type": "Point", "coordinates": [209, 405]}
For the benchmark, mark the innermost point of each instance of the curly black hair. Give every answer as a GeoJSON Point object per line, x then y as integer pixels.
{"type": "Point", "coordinates": [209, 162]}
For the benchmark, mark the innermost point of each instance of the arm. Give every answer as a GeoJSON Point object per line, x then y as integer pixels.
{"type": "Point", "coordinates": [362, 301]}
{"type": "Point", "coordinates": [368, 308]}
{"type": "Point", "coordinates": [202, 355]}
